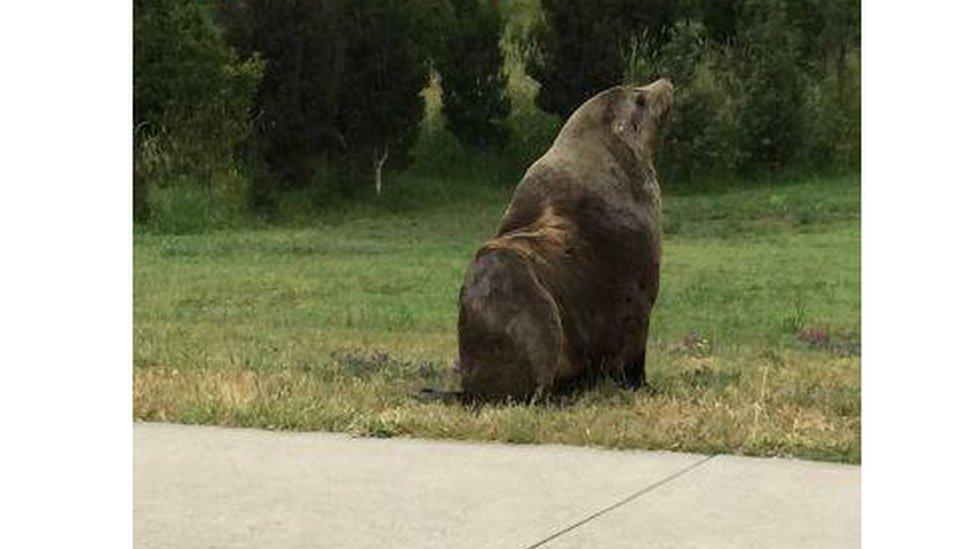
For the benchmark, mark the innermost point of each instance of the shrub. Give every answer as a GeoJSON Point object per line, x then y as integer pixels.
{"type": "Point", "coordinates": [184, 206]}
{"type": "Point", "coordinates": [769, 87]}
{"type": "Point", "coordinates": [473, 80]}
{"type": "Point", "coordinates": [191, 96]}
{"type": "Point", "coordinates": [759, 87]}
{"type": "Point", "coordinates": [831, 118]}
{"type": "Point", "coordinates": [830, 31]}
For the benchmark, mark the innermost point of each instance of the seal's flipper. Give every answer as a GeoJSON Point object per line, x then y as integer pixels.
{"type": "Point", "coordinates": [429, 394]}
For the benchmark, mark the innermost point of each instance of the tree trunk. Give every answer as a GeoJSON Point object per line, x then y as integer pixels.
{"type": "Point", "coordinates": [378, 162]}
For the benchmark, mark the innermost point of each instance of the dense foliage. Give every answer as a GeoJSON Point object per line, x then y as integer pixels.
{"type": "Point", "coordinates": [191, 97]}
{"type": "Point", "coordinates": [473, 80]}
{"type": "Point", "coordinates": [317, 101]}
{"type": "Point", "coordinates": [298, 99]}
{"type": "Point", "coordinates": [765, 64]}
{"type": "Point", "coordinates": [763, 86]}
{"type": "Point", "coordinates": [385, 72]}
{"type": "Point", "coordinates": [579, 46]}
{"type": "Point", "coordinates": [343, 84]}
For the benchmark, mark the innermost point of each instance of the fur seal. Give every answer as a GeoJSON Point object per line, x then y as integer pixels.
{"type": "Point", "coordinates": [563, 293]}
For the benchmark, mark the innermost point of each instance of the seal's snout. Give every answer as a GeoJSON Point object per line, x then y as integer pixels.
{"type": "Point", "coordinates": [666, 90]}
{"type": "Point", "coordinates": [661, 94]}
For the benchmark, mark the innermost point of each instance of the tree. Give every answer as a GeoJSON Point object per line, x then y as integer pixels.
{"type": "Point", "coordinates": [305, 44]}
{"type": "Point", "coordinates": [580, 47]}
{"type": "Point", "coordinates": [474, 83]}
{"type": "Point", "coordinates": [343, 83]}
{"type": "Point", "coordinates": [767, 67]}
{"type": "Point", "coordinates": [191, 95]}
{"type": "Point", "coordinates": [828, 29]}
{"type": "Point", "coordinates": [381, 105]}
{"type": "Point", "coordinates": [829, 34]}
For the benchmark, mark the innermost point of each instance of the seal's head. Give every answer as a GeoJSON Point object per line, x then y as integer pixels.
{"type": "Point", "coordinates": [632, 114]}
{"type": "Point", "coordinates": [649, 107]}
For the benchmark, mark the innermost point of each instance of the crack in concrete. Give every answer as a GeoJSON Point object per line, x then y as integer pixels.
{"type": "Point", "coordinates": [622, 502]}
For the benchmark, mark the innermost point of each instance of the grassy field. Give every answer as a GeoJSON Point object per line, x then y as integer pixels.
{"type": "Point", "coordinates": [754, 345]}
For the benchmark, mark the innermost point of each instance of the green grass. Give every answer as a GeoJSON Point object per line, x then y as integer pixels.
{"type": "Point", "coordinates": [336, 324]}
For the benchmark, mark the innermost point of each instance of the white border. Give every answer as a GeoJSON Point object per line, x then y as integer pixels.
{"type": "Point", "coordinates": [918, 275]}
{"type": "Point", "coordinates": [65, 211]}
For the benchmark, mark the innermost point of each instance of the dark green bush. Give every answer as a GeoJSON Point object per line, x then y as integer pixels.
{"type": "Point", "coordinates": [769, 87]}
{"type": "Point", "coordinates": [191, 96]}
{"type": "Point", "coordinates": [763, 87]}
{"type": "Point", "coordinates": [343, 83]}
{"type": "Point", "coordinates": [473, 80]}
{"type": "Point", "coordinates": [760, 89]}
{"type": "Point", "coordinates": [830, 48]}
{"type": "Point", "coordinates": [831, 120]}
{"type": "Point", "coordinates": [304, 43]}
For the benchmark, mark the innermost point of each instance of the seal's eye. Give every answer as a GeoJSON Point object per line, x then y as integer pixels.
{"type": "Point", "coordinates": [641, 101]}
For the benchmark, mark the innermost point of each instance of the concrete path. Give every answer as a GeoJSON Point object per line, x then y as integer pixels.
{"type": "Point", "coordinates": [215, 487]}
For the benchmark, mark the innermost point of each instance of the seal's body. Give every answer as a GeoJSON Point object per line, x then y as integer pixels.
{"type": "Point", "coordinates": [564, 291]}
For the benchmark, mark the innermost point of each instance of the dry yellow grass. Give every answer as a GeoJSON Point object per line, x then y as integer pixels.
{"type": "Point", "coordinates": [801, 407]}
